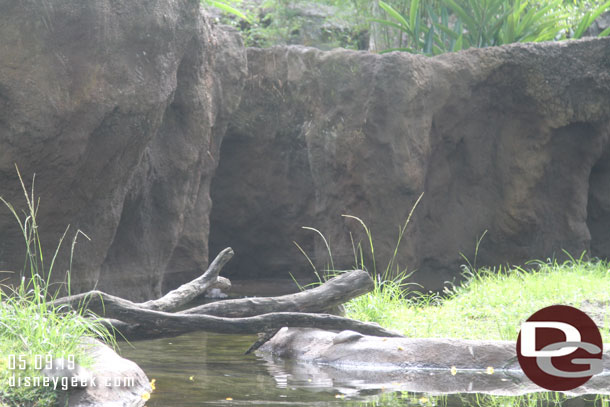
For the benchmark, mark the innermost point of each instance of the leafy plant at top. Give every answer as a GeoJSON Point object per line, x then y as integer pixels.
{"type": "Point", "coordinates": [588, 18]}
{"type": "Point", "coordinates": [227, 8]}
{"type": "Point", "coordinates": [274, 22]}
{"type": "Point", "coordinates": [415, 34]}
{"type": "Point", "coordinates": [525, 23]}
{"type": "Point", "coordinates": [432, 28]}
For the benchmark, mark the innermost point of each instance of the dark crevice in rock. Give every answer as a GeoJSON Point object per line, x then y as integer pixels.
{"type": "Point", "coordinates": [598, 205]}
{"type": "Point", "coordinates": [261, 188]}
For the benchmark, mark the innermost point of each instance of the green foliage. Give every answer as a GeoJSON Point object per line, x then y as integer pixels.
{"type": "Point", "coordinates": [227, 8]}
{"type": "Point", "coordinates": [280, 22]}
{"type": "Point", "coordinates": [548, 399]}
{"type": "Point", "coordinates": [588, 18]}
{"type": "Point", "coordinates": [29, 324]}
{"type": "Point", "coordinates": [390, 289]}
{"type": "Point", "coordinates": [428, 27]}
{"type": "Point", "coordinates": [390, 283]}
{"type": "Point", "coordinates": [492, 303]}
{"type": "Point", "coordinates": [434, 27]}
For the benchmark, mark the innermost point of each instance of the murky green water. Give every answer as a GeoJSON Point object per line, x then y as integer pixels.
{"type": "Point", "coordinates": [202, 369]}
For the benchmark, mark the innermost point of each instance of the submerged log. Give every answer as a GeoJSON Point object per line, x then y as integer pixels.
{"type": "Point", "coordinates": [151, 319]}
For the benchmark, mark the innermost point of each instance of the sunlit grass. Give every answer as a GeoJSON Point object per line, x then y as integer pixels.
{"type": "Point", "coordinates": [547, 399]}
{"type": "Point", "coordinates": [30, 326]}
{"type": "Point", "coordinates": [487, 304]}
{"type": "Point", "coordinates": [492, 303]}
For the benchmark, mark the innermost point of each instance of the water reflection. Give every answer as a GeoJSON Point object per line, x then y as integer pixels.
{"type": "Point", "coordinates": [201, 369]}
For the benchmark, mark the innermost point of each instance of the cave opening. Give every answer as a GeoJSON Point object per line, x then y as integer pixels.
{"type": "Point", "coordinates": [598, 207]}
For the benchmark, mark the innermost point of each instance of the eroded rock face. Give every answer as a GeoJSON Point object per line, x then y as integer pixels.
{"type": "Point", "coordinates": [119, 108]}
{"type": "Point", "coordinates": [509, 140]}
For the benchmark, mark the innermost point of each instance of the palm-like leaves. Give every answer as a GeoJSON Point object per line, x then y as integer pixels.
{"type": "Point", "coordinates": [452, 25]}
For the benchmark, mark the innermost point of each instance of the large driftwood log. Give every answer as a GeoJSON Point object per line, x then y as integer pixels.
{"type": "Point", "coordinates": [144, 324]}
{"type": "Point", "coordinates": [189, 291]}
{"type": "Point", "coordinates": [334, 292]}
{"type": "Point", "coordinates": [95, 300]}
{"type": "Point", "coordinates": [246, 316]}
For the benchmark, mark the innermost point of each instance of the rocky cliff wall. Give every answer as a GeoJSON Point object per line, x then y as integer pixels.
{"type": "Point", "coordinates": [119, 108]}
{"type": "Point", "coordinates": [510, 140]}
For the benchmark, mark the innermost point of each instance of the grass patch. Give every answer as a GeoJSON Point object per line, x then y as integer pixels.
{"type": "Point", "coordinates": [488, 304]}
{"type": "Point", "coordinates": [547, 399]}
{"type": "Point", "coordinates": [492, 303]}
{"type": "Point", "coordinates": [33, 330]}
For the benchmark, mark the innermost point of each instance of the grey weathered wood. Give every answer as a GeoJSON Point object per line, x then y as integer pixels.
{"type": "Point", "coordinates": [245, 316]}
{"type": "Point", "coordinates": [222, 283]}
{"type": "Point", "coordinates": [332, 293]}
{"type": "Point", "coordinates": [134, 322]}
{"type": "Point", "coordinates": [137, 323]}
{"type": "Point", "coordinates": [263, 337]}
{"type": "Point", "coordinates": [94, 300]}
{"type": "Point", "coordinates": [189, 291]}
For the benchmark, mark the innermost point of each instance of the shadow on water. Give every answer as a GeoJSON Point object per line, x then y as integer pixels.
{"type": "Point", "coordinates": [203, 369]}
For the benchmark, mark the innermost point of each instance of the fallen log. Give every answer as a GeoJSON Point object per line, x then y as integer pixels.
{"type": "Point", "coordinates": [189, 291]}
{"type": "Point", "coordinates": [245, 316]}
{"type": "Point", "coordinates": [94, 300]}
{"type": "Point", "coordinates": [332, 293]}
{"type": "Point", "coordinates": [135, 322]}
{"type": "Point", "coordinates": [146, 324]}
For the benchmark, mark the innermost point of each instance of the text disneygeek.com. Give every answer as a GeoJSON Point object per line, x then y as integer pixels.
{"type": "Point", "coordinates": [22, 366]}
{"type": "Point", "coordinates": [65, 383]}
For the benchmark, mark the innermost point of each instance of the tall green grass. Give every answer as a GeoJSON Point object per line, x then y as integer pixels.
{"type": "Point", "coordinates": [492, 303]}
{"type": "Point", "coordinates": [29, 324]}
{"type": "Point", "coordinates": [390, 278]}
{"type": "Point", "coordinates": [489, 303]}
{"type": "Point", "coordinates": [391, 282]}
{"type": "Point", "coordinates": [427, 27]}
{"type": "Point", "coordinates": [547, 399]}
